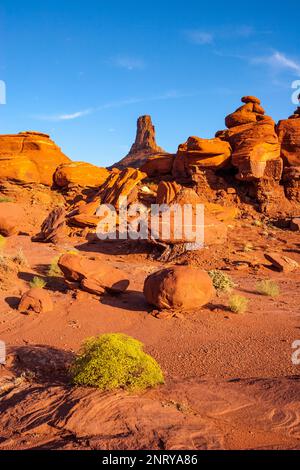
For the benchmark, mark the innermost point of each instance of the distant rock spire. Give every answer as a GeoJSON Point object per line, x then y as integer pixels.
{"type": "Point", "coordinates": [144, 145]}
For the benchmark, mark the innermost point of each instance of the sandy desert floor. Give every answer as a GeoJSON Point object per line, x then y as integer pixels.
{"type": "Point", "coordinates": [230, 380]}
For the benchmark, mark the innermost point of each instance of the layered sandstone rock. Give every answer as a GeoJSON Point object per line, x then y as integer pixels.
{"type": "Point", "coordinates": [53, 229]}
{"type": "Point", "coordinates": [288, 131]}
{"type": "Point", "coordinates": [167, 191]}
{"type": "Point", "coordinates": [250, 112]}
{"type": "Point", "coordinates": [197, 153]}
{"type": "Point", "coordinates": [158, 165]}
{"type": "Point", "coordinates": [121, 184]}
{"type": "Point", "coordinates": [92, 275]}
{"type": "Point", "coordinates": [143, 147]}
{"type": "Point", "coordinates": [80, 174]}
{"type": "Point", "coordinates": [29, 157]}
{"type": "Point", "coordinates": [179, 287]}
{"type": "Point", "coordinates": [254, 142]}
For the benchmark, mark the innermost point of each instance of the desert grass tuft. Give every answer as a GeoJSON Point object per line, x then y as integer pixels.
{"type": "Point", "coordinates": [268, 287]}
{"type": "Point", "coordinates": [38, 282]}
{"type": "Point", "coordinates": [238, 303]}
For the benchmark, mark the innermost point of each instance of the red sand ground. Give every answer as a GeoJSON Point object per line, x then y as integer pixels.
{"type": "Point", "coordinates": [230, 381]}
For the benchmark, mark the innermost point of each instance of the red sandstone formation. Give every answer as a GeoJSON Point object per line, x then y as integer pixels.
{"type": "Point", "coordinates": [53, 229]}
{"type": "Point", "coordinates": [11, 217]}
{"type": "Point", "coordinates": [179, 287]}
{"type": "Point", "coordinates": [197, 153]}
{"type": "Point", "coordinates": [92, 275]}
{"type": "Point", "coordinates": [255, 145]}
{"type": "Point", "coordinates": [80, 174]}
{"type": "Point", "coordinates": [143, 147]}
{"type": "Point", "coordinates": [36, 300]}
{"type": "Point", "coordinates": [29, 157]}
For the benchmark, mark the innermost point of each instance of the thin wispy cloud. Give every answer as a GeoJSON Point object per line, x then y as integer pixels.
{"type": "Point", "coordinates": [63, 117]}
{"type": "Point", "coordinates": [278, 62]}
{"type": "Point", "coordinates": [197, 36]}
{"type": "Point", "coordinates": [168, 95]}
{"type": "Point", "coordinates": [128, 63]}
{"type": "Point", "coordinates": [204, 37]}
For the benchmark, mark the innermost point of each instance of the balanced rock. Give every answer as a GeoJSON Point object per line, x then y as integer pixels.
{"type": "Point", "coordinates": [201, 153]}
{"type": "Point", "coordinates": [250, 112]}
{"type": "Point", "coordinates": [255, 145]}
{"type": "Point", "coordinates": [92, 275]}
{"type": "Point", "coordinates": [80, 174]}
{"type": "Point", "coordinates": [36, 300]}
{"type": "Point", "coordinates": [11, 217]}
{"type": "Point", "coordinates": [179, 287]}
{"type": "Point", "coordinates": [143, 147]}
{"type": "Point", "coordinates": [29, 157]}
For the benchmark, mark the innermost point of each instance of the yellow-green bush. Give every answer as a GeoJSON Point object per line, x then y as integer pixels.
{"type": "Point", "coordinates": [238, 303]}
{"type": "Point", "coordinates": [221, 281]}
{"type": "Point", "coordinates": [268, 287]}
{"type": "Point", "coordinates": [113, 361]}
{"type": "Point", "coordinates": [37, 282]}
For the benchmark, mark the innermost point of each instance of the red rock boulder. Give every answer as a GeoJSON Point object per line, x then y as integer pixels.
{"type": "Point", "coordinates": [36, 300]}
{"type": "Point", "coordinates": [92, 275]}
{"type": "Point", "coordinates": [179, 288]}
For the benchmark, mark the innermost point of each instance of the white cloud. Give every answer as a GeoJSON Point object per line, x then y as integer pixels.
{"type": "Point", "coordinates": [197, 36]}
{"type": "Point", "coordinates": [129, 63]}
{"type": "Point", "coordinates": [64, 117]}
{"type": "Point", "coordinates": [278, 61]}
{"type": "Point", "coordinates": [168, 95]}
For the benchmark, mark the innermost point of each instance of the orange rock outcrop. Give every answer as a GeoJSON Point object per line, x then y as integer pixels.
{"type": "Point", "coordinates": [197, 153]}
{"type": "Point", "coordinates": [29, 157]}
{"type": "Point", "coordinates": [80, 174]}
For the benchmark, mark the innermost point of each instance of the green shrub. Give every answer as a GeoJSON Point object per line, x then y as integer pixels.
{"type": "Point", "coordinates": [54, 270]}
{"type": "Point", "coordinates": [113, 361]}
{"type": "Point", "coordinates": [2, 242]}
{"type": "Point", "coordinates": [221, 281]}
{"type": "Point", "coordinates": [238, 303]}
{"type": "Point", "coordinates": [38, 282]}
{"type": "Point", "coordinates": [5, 199]}
{"type": "Point", "coordinates": [20, 259]}
{"type": "Point", "coordinates": [268, 287]}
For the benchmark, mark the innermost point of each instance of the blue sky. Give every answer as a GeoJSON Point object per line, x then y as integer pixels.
{"type": "Point", "coordinates": [83, 71]}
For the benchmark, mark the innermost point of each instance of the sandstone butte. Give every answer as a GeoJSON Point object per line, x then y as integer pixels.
{"type": "Point", "coordinates": [29, 157]}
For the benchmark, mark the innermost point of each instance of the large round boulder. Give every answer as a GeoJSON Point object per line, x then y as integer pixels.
{"type": "Point", "coordinates": [179, 287]}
